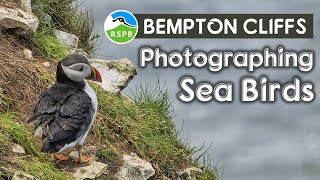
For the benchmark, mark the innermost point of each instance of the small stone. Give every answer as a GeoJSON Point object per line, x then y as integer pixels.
{"type": "Point", "coordinates": [134, 168]}
{"type": "Point", "coordinates": [6, 170]}
{"type": "Point", "coordinates": [88, 151]}
{"type": "Point", "coordinates": [46, 64]}
{"type": "Point", "coordinates": [27, 54]}
{"type": "Point", "coordinates": [67, 39]}
{"type": "Point", "coordinates": [189, 173]}
{"type": "Point", "coordinates": [79, 51]}
{"type": "Point", "coordinates": [92, 171]}
{"type": "Point", "coordinates": [18, 149]}
{"type": "Point", "coordinates": [74, 154]}
{"type": "Point", "coordinates": [26, 22]}
{"type": "Point", "coordinates": [26, 5]}
{"type": "Point", "coordinates": [18, 175]}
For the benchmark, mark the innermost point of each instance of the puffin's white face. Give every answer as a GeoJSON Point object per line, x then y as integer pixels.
{"type": "Point", "coordinates": [77, 72]}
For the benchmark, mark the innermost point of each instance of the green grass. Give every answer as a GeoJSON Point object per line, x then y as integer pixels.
{"type": "Point", "coordinates": [42, 169]}
{"type": "Point", "coordinates": [48, 46]}
{"type": "Point", "coordinates": [13, 131]}
{"type": "Point", "coordinates": [66, 15]}
{"type": "Point", "coordinates": [108, 153]}
{"type": "Point", "coordinates": [45, 80]}
{"type": "Point", "coordinates": [5, 101]}
{"type": "Point", "coordinates": [17, 133]}
{"type": "Point", "coordinates": [146, 126]}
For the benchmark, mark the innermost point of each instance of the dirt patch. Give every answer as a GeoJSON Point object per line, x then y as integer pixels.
{"type": "Point", "coordinates": [13, 4]}
{"type": "Point", "coordinates": [115, 164]}
{"type": "Point", "coordinates": [21, 81]}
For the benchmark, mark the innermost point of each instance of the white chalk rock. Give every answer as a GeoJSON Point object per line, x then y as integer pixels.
{"type": "Point", "coordinates": [116, 74]}
{"type": "Point", "coordinates": [67, 39]}
{"type": "Point", "coordinates": [27, 54]}
{"type": "Point", "coordinates": [135, 168]}
{"type": "Point", "coordinates": [26, 22]}
{"type": "Point", "coordinates": [26, 5]}
{"type": "Point", "coordinates": [79, 51]}
{"type": "Point", "coordinates": [189, 173]}
{"type": "Point", "coordinates": [46, 64]}
{"type": "Point", "coordinates": [92, 171]}
{"type": "Point", "coordinates": [16, 148]}
{"type": "Point", "coordinates": [18, 175]}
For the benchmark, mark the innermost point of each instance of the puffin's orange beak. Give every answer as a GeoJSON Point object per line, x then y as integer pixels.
{"type": "Point", "coordinates": [95, 75]}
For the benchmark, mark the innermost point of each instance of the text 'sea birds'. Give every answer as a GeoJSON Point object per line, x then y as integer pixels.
{"type": "Point", "coordinates": [251, 90]}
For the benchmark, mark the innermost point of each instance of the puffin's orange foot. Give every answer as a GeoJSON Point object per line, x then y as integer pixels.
{"type": "Point", "coordinates": [84, 159]}
{"type": "Point", "coordinates": [61, 157]}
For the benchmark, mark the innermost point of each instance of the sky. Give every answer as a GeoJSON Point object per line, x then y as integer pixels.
{"type": "Point", "coordinates": [257, 141]}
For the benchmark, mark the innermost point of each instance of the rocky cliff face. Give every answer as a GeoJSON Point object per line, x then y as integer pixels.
{"type": "Point", "coordinates": [18, 16]}
{"type": "Point", "coordinates": [115, 139]}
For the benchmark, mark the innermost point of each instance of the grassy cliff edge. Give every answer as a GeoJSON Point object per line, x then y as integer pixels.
{"type": "Point", "coordinates": [145, 127]}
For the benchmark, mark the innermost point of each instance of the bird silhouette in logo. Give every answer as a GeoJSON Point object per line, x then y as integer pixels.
{"type": "Point", "coordinates": [122, 20]}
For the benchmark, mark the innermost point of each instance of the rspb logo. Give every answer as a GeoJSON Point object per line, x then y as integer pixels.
{"type": "Point", "coordinates": [121, 27]}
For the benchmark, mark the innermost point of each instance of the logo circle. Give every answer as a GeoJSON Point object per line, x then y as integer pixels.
{"type": "Point", "coordinates": [121, 27]}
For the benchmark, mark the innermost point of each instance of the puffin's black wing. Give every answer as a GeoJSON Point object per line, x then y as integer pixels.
{"type": "Point", "coordinates": [62, 115]}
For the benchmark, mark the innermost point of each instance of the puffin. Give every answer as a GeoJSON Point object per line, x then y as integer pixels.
{"type": "Point", "coordinates": [122, 21]}
{"type": "Point", "coordinates": [66, 111]}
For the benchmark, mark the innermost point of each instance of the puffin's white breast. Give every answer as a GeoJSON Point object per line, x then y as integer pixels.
{"type": "Point", "coordinates": [94, 102]}
{"type": "Point", "coordinates": [93, 97]}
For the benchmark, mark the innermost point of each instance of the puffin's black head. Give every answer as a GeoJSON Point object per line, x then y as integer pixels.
{"type": "Point", "coordinates": [74, 68]}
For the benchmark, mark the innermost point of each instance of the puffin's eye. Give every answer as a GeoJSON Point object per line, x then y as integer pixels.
{"type": "Point", "coordinates": [81, 69]}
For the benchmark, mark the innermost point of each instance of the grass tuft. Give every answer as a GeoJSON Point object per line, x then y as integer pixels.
{"type": "Point", "coordinates": [108, 153]}
{"type": "Point", "coordinates": [13, 132]}
{"type": "Point", "coordinates": [66, 15]}
{"type": "Point", "coordinates": [48, 46]}
{"type": "Point", "coordinates": [147, 127]}
{"type": "Point", "coordinates": [41, 169]}
{"type": "Point", "coordinates": [17, 133]}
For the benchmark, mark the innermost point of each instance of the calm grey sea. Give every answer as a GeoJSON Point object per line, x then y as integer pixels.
{"type": "Point", "coordinates": [256, 141]}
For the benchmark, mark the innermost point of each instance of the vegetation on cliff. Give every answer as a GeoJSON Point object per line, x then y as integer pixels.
{"type": "Point", "coordinates": [66, 16]}
{"type": "Point", "coordinates": [144, 127]}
